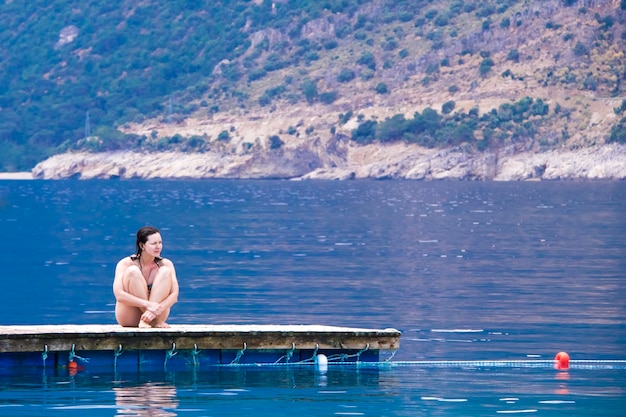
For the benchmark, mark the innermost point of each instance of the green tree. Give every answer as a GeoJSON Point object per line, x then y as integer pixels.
{"type": "Point", "coordinates": [256, 74]}
{"type": "Point", "coordinates": [346, 75]}
{"type": "Point", "coordinates": [485, 66]}
{"type": "Point", "coordinates": [431, 120]}
{"type": "Point", "coordinates": [391, 129]}
{"type": "Point", "coordinates": [224, 136]}
{"type": "Point", "coordinates": [430, 14]}
{"type": "Point", "coordinates": [485, 10]}
{"type": "Point", "coordinates": [330, 44]}
{"type": "Point", "coordinates": [111, 139]}
{"type": "Point", "coordinates": [276, 91]}
{"type": "Point", "coordinates": [309, 89]}
{"type": "Point", "coordinates": [539, 108]}
{"type": "Point", "coordinates": [442, 20]}
{"type": "Point", "coordinates": [513, 55]}
{"type": "Point", "coordinates": [580, 49]}
{"type": "Point", "coordinates": [432, 68]}
{"type": "Point", "coordinates": [521, 108]}
{"type": "Point", "coordinates": [265, 100]}
{"type": "Point", "coordinates": [618, 132]}
{"type": "Point", "coordinates": [194, 143]}
{"type": "Point", "coordinates": [464, 133]}
{"type": "Point", "coordinates": [344, 118]}
{"type": "Point", "coordinates": [381, 88]}
{"type": "Point", "coordinates": [590, 83]}
{"type": "Point", "coordinates": [11, 157]}
{"type": "Point", "coordinates": [447, 107]}
{"type": "Point", "coordinates": [405, 16]}
{"type": "Point", "coordinates": [276, 142]}
{"type": "Point", "coordinates": [365, 132]}
{"type": "Point", "coordinates": [367, 59]}
{"type": "Point", "coordinates": [274, 63]}
{"type": "Point", "coordinates": [328, 97]}
{"type": "Point", "coordinates": [389, 45]}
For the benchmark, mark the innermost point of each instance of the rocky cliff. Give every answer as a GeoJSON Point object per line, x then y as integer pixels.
{"type": "Point", "coordinates": [346, 161]}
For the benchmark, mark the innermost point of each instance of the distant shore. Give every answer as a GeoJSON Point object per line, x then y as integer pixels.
{"type": "Point", "coordinates": [344, 160]}
{"type": "Point", "coordinates": [16, 176]}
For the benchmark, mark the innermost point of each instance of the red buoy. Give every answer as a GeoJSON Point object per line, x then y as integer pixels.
{"type": "Point", "coordinates": [72, 368]}
{"type": "Point", "coordinates": [561, 361]}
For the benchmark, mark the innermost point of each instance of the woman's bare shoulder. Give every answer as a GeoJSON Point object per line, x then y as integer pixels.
{"type": "Point", "coordinates": [167, 262]}
{"type": "Point", "coordinates": [127, 261]}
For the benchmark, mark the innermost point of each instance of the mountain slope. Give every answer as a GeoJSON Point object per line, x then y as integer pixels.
{"type": "Point", "coordinates": [248, 77]}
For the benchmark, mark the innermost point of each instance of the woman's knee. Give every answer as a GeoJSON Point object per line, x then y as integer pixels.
{"type": "Point", "coordinates": [164, 274]}
{"type": "Point", "coordinates": [131, 274]}
{"type": "Point", "coordinates": [165, 270]}
{"type": "Point", "coordinates": [135, 283]}
{"type": "Point", "coordinates": [132, 271]}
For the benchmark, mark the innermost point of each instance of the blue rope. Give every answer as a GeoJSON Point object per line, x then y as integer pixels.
{"type": "Point", "coordinates": [343, 356]}
{"type": "Point", "coordinates": [288, 355]}
{"type": "Point", "coordinates": [170, 354]}
{"type": "Point", "coordinates": [194, 356]}
{"type": "Point", "coordinates": [117, 354]}
{"type": "Point", "coordinates": [312, 359]}
{"type": "Point", "coordinates": [73, 356]}
{"type": "Point", "coordinates": [239, 355]}
{"type": "Point", "coordinates": [393, 353]}
{"type": "Point", "coordinates": [573, 364]}
{"type": "Point", "coordinates": [44, 355]}
{"type": "Point", "coordinates": [531, 363]}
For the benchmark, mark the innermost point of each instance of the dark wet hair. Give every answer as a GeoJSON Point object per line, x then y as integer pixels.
{"type": "Point", "coordinates": [142, 237]}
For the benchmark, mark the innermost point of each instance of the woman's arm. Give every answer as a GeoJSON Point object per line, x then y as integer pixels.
{"type": "Point", "coordinates": [172, 298]}
{"type": "Point", "coordinates": [155, 308]}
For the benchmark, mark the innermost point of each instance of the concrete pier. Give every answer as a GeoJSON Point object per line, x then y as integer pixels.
{"type": "Point", "coordinates": [219, 344]}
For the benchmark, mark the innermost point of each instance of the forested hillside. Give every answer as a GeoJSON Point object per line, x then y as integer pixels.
{"type": "Point", "coordinates": [75, 75]}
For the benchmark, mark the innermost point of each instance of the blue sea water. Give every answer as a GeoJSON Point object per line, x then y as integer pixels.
{"type": "Point", "coordinates": [482, 279]}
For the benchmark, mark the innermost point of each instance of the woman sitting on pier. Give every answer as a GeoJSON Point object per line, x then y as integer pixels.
{"type": "Point", "coordinates": [145, 284]}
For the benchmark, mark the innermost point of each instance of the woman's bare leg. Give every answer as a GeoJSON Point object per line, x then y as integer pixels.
{"type": "Point", "coordinates": [127, 316]}
{"type": "Point", "coordinates": [134, 283]}
{"type": "Point", "coordinates": [161, 288]}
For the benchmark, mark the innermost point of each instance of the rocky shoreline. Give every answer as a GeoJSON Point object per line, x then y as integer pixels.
{"type": "Point", "coordinates": [343, 160]}
{"type": "Point", "coordinates": [16, 176]}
